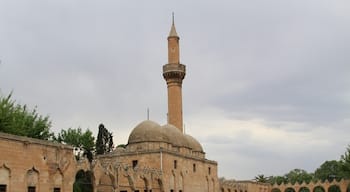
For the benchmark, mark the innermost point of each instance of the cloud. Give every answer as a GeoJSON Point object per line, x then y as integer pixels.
{"type": "Point", "coordinates": [267, 81]}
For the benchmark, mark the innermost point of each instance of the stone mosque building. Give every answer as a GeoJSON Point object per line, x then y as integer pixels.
{"type": "Point", "coordinates": [157, 158]}
{"type": "Point", "coordinates": [160, 158]}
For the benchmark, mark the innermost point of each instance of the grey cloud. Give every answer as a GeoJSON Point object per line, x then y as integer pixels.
{"type": "Point", "coordinates": [86, 62]}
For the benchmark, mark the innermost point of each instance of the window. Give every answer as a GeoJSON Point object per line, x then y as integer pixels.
{"type": "Point", "coordinates": [209, 170]}
{"type": "Point", "coordinates": [175, 164]}
{"type": "Point", "coordinates": [171, 190]}
{"type": "Point", "coordinates": [2, 188]}
{"type": "Point", "coordinates": [31, 189]}
{"type": "Point", "coordinates": [194, 167]}
{"type": "Point", "coordinates": [134, 163]}
{"type": "Point", "coordinates": [56, 189]}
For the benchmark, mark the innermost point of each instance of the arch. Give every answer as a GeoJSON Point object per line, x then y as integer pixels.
{"type": "Point", "coordinates": [319, 189]}
{"type": "Point", "coordinates": [32, 178]}
{"type": "Point", "coordinates": [289, 189]}
{"type": "Point", "coordinates": [106, 183]}
{"type": "Point", "coordinates": [147, 186]}
{"type": "Point", "coordinates": [57, 179]}
{"type": "Point", "coordinates": [213, 183]}
{"type": "Point", "coordinates": [180, 184]}
{"type": "Point", "coordinates": [83, 181]}
{"type": "Point", "coordinates": [334, 188]}
{"type": "Point", "coordinates": [275, 190]}
{"type": "Point", "coordinates": [161, 186]}
{"type": "Point", "coordinates": [5, 174]}
{"type": "Point", "coordinates": [206, 178]}
{"type": "Point", "coordinates": [304, 189]}
{"type": "Point", "coordinates": [172, 182]}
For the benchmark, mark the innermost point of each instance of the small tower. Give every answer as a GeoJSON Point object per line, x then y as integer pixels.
{"type": "Point", "coordinates": [174, 73]}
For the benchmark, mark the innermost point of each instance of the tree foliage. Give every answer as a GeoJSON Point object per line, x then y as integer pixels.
{"type": "Point", "coordinates": [277, 180]}
{"type": "Point", "coordinates": [298, 175]}
{"type": "Point", "coordinates": [19, 120]}
{"type": "Point", "coordinates": [261, 178]}
{"type": "Point", "coordinates": [329, 170]}
{"type": "Point", "coordinates": [83, 182]}
{"type": "Point", "coordinates": [345, 163]}
{"type": "Point", "coordinates": [84, 142]}
{"type": "Point", "coordinates": [104, 142]}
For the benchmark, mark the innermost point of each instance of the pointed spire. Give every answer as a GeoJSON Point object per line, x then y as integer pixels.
{"type": "Point", "coordinates": [173, 30]}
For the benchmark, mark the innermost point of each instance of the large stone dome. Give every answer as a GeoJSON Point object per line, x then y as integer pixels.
{"type": "Point", "coordinates": [149, 131]}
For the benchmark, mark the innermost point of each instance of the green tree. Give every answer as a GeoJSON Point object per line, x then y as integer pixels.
{"type": "Point", "coordinates": [104, 142]}
{"type": "Point", "coordinates": [83, 182]}
{"type": "Point", "coordinates": [278, 180]}
{"type": "Point", "coordinates": [83, 142]}
{"type": "Point", "coordinates": [345, 163]}
{"type": "Point", "coordinates": [298, 175]}
{"type": "Point", "coordinates": [261, 178]}
{"type": "Point", "coordinates": [19, 120]}
{"type": "Point", "coordinates": [329, 170]}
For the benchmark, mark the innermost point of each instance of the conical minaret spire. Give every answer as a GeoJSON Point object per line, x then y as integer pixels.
{"type": "Point", "coordinates": [174, 73]}
{"type": "Point", "coordinates": [173, 30]}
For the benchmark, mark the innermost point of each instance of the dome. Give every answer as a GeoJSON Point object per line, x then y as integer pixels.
{"type": "Point", "coordinates": [175, 136]}
{"type": "Point", "coordinates": [149, 131]}
{"type": "Point", "coordinates": [194, 144]}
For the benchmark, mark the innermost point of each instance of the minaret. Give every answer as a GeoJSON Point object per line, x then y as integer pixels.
{"type": "Point", "coordinates": [174, 73]}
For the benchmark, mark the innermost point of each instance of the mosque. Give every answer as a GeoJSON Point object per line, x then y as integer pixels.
{"type": "Point", "coordinates": [157, 158]}
{"type": "Point", "coordinates": [162, 158]}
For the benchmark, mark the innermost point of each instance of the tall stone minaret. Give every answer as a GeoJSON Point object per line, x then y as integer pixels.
{"type": "Point", "coordinates": [174, 73]}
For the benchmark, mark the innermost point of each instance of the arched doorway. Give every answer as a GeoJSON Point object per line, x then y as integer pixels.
{"type": "Point", "coordinates": [334, 188]}
{"type": "Point", "coordinates": [319, 189]}
{"type": "Point", "coordinates": [83, 181]}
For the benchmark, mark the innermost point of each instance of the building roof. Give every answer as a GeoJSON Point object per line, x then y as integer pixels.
{"type": "Point", "coordinates": [149, 131]}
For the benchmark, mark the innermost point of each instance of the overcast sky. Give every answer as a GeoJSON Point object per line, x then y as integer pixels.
{"type": "Point", "coordinates": [267, 87]}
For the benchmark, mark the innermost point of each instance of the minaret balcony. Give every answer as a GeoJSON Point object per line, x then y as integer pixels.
{"type": "Point", "coordinates": [174, 71]}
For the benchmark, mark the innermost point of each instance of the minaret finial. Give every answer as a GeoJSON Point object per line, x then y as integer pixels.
{"type": "Point", "coordinates": [173, 30]}
{"type": "Point", "coordinates": [173, 18]}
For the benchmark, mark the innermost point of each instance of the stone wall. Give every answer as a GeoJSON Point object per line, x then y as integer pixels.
{"type": "Point", "coordinates": [32, 163]}
{"type": "Point", "coordinates": [155, 171]}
